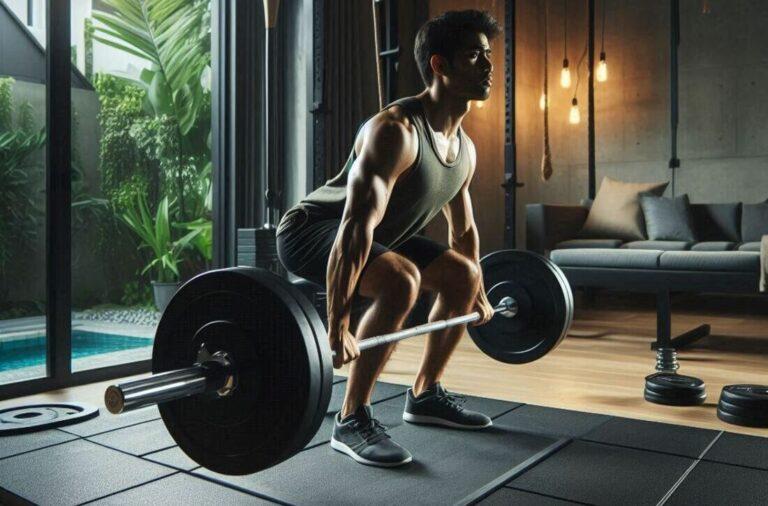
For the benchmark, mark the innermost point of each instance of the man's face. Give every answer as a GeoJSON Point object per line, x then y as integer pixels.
{"type": "Point", "coordinates": [469, 72]}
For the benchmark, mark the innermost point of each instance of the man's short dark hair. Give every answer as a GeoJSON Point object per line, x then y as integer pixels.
{"type": "Point", "coordinates": [444, 35]}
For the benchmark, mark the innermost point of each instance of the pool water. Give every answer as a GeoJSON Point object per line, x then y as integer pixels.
{"type": "Point", "coordinates": [28, 352]}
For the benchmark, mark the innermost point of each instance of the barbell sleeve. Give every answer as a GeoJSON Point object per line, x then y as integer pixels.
{"type": "Point", "coordinates": [163, 387]}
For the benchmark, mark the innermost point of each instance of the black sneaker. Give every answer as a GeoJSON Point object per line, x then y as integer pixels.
{"type": "Point", "coordinates": [364, 439]}
{"type": "Point", "coordinates": [436, 406]}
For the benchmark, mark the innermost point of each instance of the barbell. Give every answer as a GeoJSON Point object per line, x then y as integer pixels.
{"type": "Point", "coordinates": [243, 370]}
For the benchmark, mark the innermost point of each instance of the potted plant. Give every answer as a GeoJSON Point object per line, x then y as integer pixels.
{"type": "Point", "coordinates": [166, 253]}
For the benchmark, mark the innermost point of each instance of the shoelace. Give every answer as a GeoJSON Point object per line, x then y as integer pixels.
{"type": "Point", "coordinates": [371, 431]}
{"type": "Point", "coordinates": [455, 401]}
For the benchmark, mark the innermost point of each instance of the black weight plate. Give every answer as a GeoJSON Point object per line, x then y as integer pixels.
{"type": "Point", "coordinates": [282, 378]}
{"type": "Point", "coordinates": [670, 383]}
{"type": "Point", "coordinates": [692, 400]}
{"type": "Point", "coordinates": [749, 396]}
{"type": "Point", "coordinates": [545, 307]}
{"type": "Point", "coordinates": [737, 410]}
{"type": "Point", "coordinates": [35, 417]}
{"type": "Point", "coordinates": [746, 421]}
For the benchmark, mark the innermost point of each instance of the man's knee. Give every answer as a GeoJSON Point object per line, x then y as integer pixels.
{"type": "Point", "coordinates": [393, 279]}
{"type": "Point", "coordinates": [462, 279]}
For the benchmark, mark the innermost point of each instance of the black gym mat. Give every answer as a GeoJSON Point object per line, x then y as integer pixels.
{"type": "Point", "coordinates": [74, 472]}
{"type": "Point", "coordinates": [721, 484]}
{"type": "Point", "coordinates": [532, 455]}
{"type": "Point", "coordinates": [182, 490]}
{"type": "Point", "coordinates": [552, 421]}
{"type": "Point", "coordinates": [659, 437]}
{"type": "Point", "coordinates": [506, 496]}
{"type": "Point", "coordinates": [741, 450]}
{"type": "Point", "coordinates": [448, 466]}
{"type": "Point", "coordinates": [173, 457]}
{"type": "Point", "coordinates": [21, 443]}
{"type": "Point", "coordinates": [106, 421]}
{"type": "Point", "coordinates": [138, 439]}
{"type": "Point", "coordinates": [595, 473]}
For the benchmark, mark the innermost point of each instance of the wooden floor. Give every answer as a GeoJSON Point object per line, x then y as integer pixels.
{"type": "Point", "coordinates": [600, 367]}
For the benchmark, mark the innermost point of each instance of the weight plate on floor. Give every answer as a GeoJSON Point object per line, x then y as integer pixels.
{"type": "Point", "coordinates": [35, 417]}
{"type": "Point", "coordinates": [670, 382]}
{"type": "Point", "coordinates": [284, 372]}
{"type": "Point", "coordinates": [737, 410]}
{"type": "Point", "coordinates": [746, 421]}
{"type": "Point", "coordinates": [544, 307]}
{"type": "Point", "coordinates": [749, 396]}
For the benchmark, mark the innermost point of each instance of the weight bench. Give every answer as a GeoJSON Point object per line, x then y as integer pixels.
{"type": "Point", "coordinates": [662, 272]}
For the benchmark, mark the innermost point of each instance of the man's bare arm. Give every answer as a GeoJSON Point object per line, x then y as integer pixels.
{"type": "Point", "coordinates": [387, 151]}
{"type": "Point", "coordinates": [462, 231]}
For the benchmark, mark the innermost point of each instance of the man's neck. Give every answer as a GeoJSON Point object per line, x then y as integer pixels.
{"type": "Point", "coordinates": [444, 112]}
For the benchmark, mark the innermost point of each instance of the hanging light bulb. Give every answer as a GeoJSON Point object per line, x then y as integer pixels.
{"type": "Point", "coordinates": [602, 69]}
{"type": "Point", "coordinates": [574, 118]}
{"type": "Point", "coordinates": [542, 101]}
{"type": "Point", "coordinates": [565, 75]}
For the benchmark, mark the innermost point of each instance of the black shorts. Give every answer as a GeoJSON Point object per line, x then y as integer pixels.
{"type": "Point", "coordinates": [304, 245]}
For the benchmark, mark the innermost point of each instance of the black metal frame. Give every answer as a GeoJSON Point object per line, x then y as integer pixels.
{"type": "Point", "coordinates": [58, 197]}
{"type": "Point", "coordinates": [389, 51]}
{"type": "Point", "coordinates": [674, 42]}
{"type": "Point", "coordinates": [662, 283]}
{"type": "Point", "coordinates": [510, 184]}
{"type": "Point", "coordinates": [318, 110]}
{"type": "Point", "coordinates": [591, 100]}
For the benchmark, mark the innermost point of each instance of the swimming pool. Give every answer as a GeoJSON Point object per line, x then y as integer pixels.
{"type": "Point", "coordinates": [29, 352]}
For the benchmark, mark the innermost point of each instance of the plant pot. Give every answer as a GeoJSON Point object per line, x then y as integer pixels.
{"type": "Point", "coordinates": [163, 293]}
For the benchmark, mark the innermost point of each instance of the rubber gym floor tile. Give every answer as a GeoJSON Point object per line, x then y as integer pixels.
{"type": "Point", "coordinates": [106, 421]}
{"type": "Point", "coordinates": [173, 457]}
{"type": "Point", "coordinates": [721, 484]}
{"type": "Point", "coordinates": [74, 472]}
{"type": "Point", "coordinates": [381, 392]}
{"type": "Point", "coordinates": [137, 439]}
{"type": "Point", "coordinates": [595, 473]}
{"type": "Point", "coordinates": [740, 450]}
{"type": "Point", "coordinates": [13, 445]}
{"type": "Point", "coordinates": [506, 496]}
{"type": "Point", "coordinates": [181, 489]}
{"type": "Point", "coordinates": [660, 437]}
{"type": "Point", "coordinates": [449, 465]}
{"type": "Point", "coordinates": [552, 421]}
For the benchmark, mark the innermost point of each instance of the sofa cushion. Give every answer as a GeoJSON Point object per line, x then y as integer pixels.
{"type": "Point", "coordinates": [662, 245]}
{"type": "Point", "coordinates": [589, 243]}
{"type": "Point", "coordinates": [609, 258]}
{"type": "Point", "coordinates": [754, 222]}
{"type": "Point", "coordinates": [667, 219]}
{"type": "Point", "coordinates": [713, 246]}
{"type": "Point", "coordinates": [616, 213]}
{"type": "Point", "coordinates": [731, 261]}
{"type": "Point", "coordinates": [717, 222]}
{"type": "Point", "coordinates": [749, 246]}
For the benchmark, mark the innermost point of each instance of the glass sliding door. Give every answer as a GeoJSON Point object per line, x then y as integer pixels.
{"type": "Point", "coordinates": [23, 336]}
{"type": "Point", "coordinates": [141, 169]}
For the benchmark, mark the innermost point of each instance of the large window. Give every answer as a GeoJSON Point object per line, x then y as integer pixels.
{"type": "Point", "coordinates": [141, 176]}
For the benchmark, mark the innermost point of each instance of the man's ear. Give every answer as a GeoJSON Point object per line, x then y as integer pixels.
{"type": "Point", "coordinates": [439, 64]}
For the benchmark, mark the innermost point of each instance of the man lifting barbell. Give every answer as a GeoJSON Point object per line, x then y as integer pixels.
{"type": "Point", "coordinates": [357, 235]}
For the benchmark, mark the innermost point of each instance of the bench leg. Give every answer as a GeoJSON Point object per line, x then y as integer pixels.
{"type": "Point", "coordinates": [664, 337]}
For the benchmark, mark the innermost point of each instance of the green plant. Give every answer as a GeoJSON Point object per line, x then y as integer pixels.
{"type": "Point", "coordinates": [156, 235]}
{"type": "Point", "coordinates": [174, 35]}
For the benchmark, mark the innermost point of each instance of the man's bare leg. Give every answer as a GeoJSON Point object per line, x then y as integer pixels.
{"type": "Point", "coordinates": [456, 281]}
{"type": "Point", "coordinates": [392, 282]}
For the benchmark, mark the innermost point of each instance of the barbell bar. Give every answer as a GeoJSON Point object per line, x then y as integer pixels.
{"type": "Point", "coordinates": [213, 374]}
{"type": "Point", "coordinates": [243, 368]}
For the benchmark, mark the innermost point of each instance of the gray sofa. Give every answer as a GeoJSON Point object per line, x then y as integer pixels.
{"type": "Point", "coordinates": [726, 259]}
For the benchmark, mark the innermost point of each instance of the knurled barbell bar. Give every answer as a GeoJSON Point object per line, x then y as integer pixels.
{"type": "Point", "coordinates": [243, 369]}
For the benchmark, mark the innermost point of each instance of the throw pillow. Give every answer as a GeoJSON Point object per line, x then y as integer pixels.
{"type": "Point", "coordinates": [616, 213]}
{"type": "Point", "coordinates": [667, 219]}
{"type": "Point", "coordinates": [754, 222]}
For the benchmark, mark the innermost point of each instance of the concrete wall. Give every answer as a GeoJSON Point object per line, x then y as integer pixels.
{"type": "Point", "coordinates": [722, 133]}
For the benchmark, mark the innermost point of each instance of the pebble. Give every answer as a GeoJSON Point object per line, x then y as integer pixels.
{"type": "Point", "coordinates": [137, 316]}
